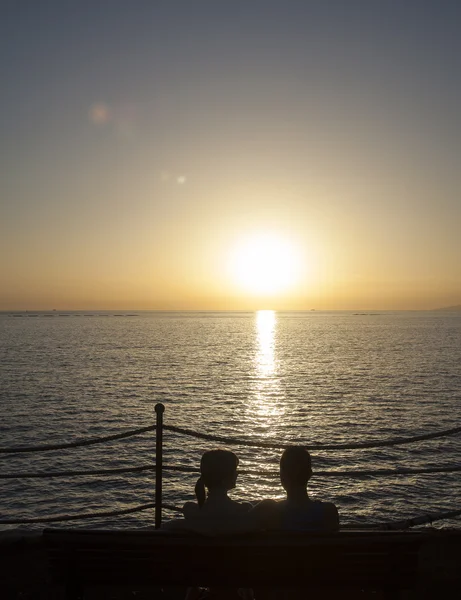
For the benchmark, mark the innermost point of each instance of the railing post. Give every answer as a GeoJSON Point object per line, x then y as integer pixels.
{"type": "Point", "coordinates": [159, 410]}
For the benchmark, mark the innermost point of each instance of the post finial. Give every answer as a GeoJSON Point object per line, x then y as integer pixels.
{"type": "Point", "coordinates": [159, 408]}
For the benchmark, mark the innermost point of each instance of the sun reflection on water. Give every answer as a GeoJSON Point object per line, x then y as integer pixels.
{"type": "Point", "coordinates": [267, 398]}
{"type": "Point", "coordinates": [265, 329]}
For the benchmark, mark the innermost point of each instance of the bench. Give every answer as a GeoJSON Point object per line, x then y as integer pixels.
{"type": "Point", "coordinates": [159, 565]}
{"type": "Point", "coordinates": [427, 560]}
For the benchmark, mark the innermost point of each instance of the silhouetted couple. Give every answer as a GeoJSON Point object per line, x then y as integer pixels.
{"type": "Point", "coordinates": [216, 512]}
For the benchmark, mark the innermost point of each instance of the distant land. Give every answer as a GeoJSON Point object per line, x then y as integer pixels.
{"type": "Point", "coordinates": [450, 308]}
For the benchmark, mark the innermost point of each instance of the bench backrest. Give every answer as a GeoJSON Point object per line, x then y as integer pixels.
{"type": "Point", "coordinates": [347, 559]}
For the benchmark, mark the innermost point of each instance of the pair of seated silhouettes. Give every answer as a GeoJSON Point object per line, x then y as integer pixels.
{"type": "Point", "coordinates": [215, 512]}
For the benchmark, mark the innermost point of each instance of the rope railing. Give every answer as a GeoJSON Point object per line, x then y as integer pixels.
{"type": "Point", "coordinates": [415, 521]}
{"type": "Point", "coordinates": [159, 468]}
{"type": "Point", "coordinates": [281, 446]}
{"type": "Point", "coordinates": [91, 515]}
{"type": "Point", "coordinates": [77, 443]}
{"type": "Point", "coordinates": [390, 525]}
{"type": "Point", "coordinates": [252, 472]}
{"type": "Point", "coordinates": [232, 441]}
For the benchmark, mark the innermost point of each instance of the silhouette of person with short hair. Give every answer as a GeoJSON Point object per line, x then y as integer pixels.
{"type": "Point", "coordinates": [298, 512]}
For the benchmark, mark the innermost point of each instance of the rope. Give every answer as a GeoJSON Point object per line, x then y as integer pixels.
{"type": "Point", "coordinates": [405, 524]}
{"type": "Point", "coordinates": [91, 515]}
{"type": "Point", "coordinates": [422, 520]}
{"type": "Point", "coordinates": [226, 440]}
{"type": "Point", "coordinates": [360, 474]}
{"type": "Point", "coordinates": [269, 474]}
{"type": "Point", "coordinates": [49, 474]}
{"type": "Point", "coordinates": [77, 443]}
{"type": "Point", "coordinates": [279, 446]}
{"type": "Point", "coordinates": [118, 471]}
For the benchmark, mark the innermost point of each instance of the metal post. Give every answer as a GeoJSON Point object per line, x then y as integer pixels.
{"type": "Point", "coordinates": [159, 409]}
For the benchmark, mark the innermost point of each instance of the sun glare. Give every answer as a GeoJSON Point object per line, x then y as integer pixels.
{"type": "Point", "coordinates": [265, 264]}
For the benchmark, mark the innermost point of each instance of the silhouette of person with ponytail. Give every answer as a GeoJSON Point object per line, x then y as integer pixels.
{"type": "Point", "coordinates": [218, 475]}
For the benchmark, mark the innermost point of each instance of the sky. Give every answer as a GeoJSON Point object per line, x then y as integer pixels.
{"type": "Point", "coordinates": [238, 155]}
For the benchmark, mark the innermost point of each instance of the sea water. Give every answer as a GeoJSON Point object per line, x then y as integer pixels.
{"type": "Point", "coordinates": [300, 377]}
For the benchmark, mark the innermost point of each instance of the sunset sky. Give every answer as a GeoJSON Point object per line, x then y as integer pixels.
{"type": "Point", "coordinates": [230, 154]}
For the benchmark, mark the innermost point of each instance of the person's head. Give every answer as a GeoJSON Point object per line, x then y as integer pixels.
{"type": "Point", "coordinates": [295, 468]}
{"type": "Point", "coordinates": [218, 469]}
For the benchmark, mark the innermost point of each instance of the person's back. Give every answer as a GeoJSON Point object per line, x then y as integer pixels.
{"type": "Point", "coordinates": [308, 516]}
{"type": "Point", "coordinates": [298, 512]}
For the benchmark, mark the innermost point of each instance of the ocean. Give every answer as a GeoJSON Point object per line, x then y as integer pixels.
{"type": "Point", "coordinates": [297, 377]}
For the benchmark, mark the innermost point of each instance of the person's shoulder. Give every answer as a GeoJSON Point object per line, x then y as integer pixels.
{"type": "Point", "coordinates": [329, 507]}
{"type": "Point", "coordinates": [243, 507]}
{"type": "Point", "coordinates": [330, 516]}
{"type": "Point", "coordinates": [265, 514]}
{"type": "Point", "coordinates": [175, 525]}
{"type": "Point", "coordinates": [313, 515]}
{"type": "Point", "coordinates": [190, 510]}
{"type": "Point", "coordinates": [233, 508]}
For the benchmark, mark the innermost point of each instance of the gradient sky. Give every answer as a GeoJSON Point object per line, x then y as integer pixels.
{"type": "Point", "coordinates": [141, 141]}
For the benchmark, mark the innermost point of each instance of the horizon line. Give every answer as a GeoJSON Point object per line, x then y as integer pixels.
{"type": "Point", "coordinates": [199, 310]}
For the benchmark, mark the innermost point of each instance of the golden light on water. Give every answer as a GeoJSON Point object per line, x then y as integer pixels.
{"type": "Point", "coordinates": [265, 358]}
{"type": "Point", "coordinates": [268, 392]}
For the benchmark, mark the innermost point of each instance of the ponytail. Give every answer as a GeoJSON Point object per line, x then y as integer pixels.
{"type": "Point", "coordinates": [200, 492]}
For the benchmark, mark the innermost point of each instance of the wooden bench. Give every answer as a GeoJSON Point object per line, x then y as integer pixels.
{"type": "Point", "coordinates": [77, 563]}
{"type": "Point", "coordinates": [426, 560]}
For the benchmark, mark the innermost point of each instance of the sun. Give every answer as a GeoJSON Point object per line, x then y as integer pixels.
{"type": "Point", "coordinates": [264, 264]}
